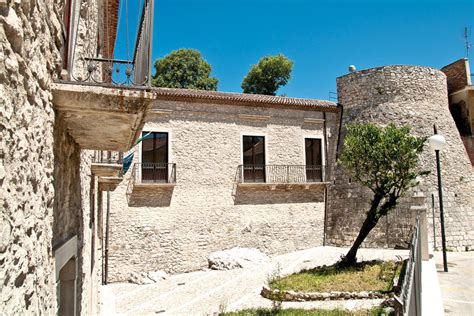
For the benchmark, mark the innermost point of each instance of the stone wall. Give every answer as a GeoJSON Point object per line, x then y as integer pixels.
{"type": "Point", "coordinates": [45, 191]}
{"type": "Point", "coordinates": [417, 97]}
{"type": "Point", "coordinates": [29, 55]}
{"type": "Point", "coordinates": [176, 230]}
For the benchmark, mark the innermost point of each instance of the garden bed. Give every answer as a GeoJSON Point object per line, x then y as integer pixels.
{"type": "Point", "coordinates": [365, 280]}
{"type": "Point", "coordinates": [302, 312]}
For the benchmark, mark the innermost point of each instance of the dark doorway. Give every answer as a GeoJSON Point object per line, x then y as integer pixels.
{"type": "Point", "coordinates": [154, 165]}
{"type": "Point", "coordinates": [254, 158]}
{"type": "Point", "coordinates": [313, 160]}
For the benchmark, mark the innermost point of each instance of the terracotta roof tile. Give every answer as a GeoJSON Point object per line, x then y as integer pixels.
{"type": "Point", "coordinates": [243, 99]}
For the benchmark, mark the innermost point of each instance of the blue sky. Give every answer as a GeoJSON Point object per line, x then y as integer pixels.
{"type": "Point", "coordinates": [322, 37]}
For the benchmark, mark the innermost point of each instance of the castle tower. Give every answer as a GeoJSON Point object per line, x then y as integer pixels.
{"type": "Point", "coordinates": [417, 97]}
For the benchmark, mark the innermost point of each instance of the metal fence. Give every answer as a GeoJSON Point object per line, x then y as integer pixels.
{"type": "Point", "coordinates": [150, 172]}
{"type": "Point", "coordinates": [410, 294]}
{"type": "Point", "coordinates": [287, 174]}
{"type": "Point", "coordinates": [135, 71]}
{"type": "Point", "coordinates": [109, 157]}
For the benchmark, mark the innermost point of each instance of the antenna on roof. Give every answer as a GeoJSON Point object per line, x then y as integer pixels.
{"type": "Point", "coordinates": [467, 34]}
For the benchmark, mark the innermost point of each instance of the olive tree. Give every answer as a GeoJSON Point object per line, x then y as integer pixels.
{"type": "Point", "coordinates": [383, 159]}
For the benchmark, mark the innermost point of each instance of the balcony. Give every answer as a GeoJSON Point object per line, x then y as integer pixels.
{"type": "Point", "coordinates": [282, 176]}
{"type": "Point", "coordinates": [103, 101]}
{"type": "Point", "coordinates": [151, 184]}
{"type": "Point", "coordinates": [107, 166]}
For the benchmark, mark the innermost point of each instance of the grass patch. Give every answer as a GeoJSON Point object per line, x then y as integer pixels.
{"type": "Point", "coordinates": [302, 312]}
{"type": "Point", "coordinates": [374, 276]}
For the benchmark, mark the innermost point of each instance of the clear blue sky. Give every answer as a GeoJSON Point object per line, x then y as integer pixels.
{"type": "Point", "coordinates": [321, 37]}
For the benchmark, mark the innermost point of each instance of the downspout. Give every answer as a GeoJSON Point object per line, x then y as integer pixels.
{"type": "Point", "coordinates": [339, 105]}
{"type": "Point", "coordinates": [106, 267]}
{"type": "Point", "coordinates": [325, 175]}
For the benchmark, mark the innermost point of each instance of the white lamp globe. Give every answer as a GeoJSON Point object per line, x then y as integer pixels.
{"type": "Point", "coordinates": [437, 142]}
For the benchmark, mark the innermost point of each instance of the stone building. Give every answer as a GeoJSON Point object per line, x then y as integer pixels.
{"type": "Point", "coordinates": [461, 101]}
{"type": "Point", "coordinates": [52, 110]}
{"type": "Point", "coordinates": [416, 97]}
{"type": "Point", "coordinates": [218, 170]}
{"type": "Point", "coordinates": [187, 194]}
{"type": "Point", "coordinates": [213, 170]}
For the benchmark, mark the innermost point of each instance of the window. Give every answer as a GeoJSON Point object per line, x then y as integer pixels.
{"type": "Point", "coordinates": [314, 160]}
{"type": "Point", "coordinates": [253, 151]}
{"type": "Point", "coordinates": [154, 164]}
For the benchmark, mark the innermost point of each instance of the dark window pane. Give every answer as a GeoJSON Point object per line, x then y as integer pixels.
{"type": "Point", "coordinates": [254, 158]}
{"type": "Point", "coordinates": [155, 157]}
{"type": "Point", "coordinates": [313, 160]}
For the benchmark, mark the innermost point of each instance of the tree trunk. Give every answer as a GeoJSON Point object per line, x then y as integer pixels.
{"type": "Point", "coordinates": [369, 223]}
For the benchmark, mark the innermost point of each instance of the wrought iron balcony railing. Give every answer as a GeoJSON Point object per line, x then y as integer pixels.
{"type": "Point", "coordinates": [282, 174]}
{"type": "Point", "coordinates": [108, 157]}
{"type": "Point", "coordinates": [148, 172]}
{"type": "Point", "coordinates": [90, 68]}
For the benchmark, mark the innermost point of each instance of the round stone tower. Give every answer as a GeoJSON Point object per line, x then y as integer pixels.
{"type": "Point", "coordinates": [416, 97]}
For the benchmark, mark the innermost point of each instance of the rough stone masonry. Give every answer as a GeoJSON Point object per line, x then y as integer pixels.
{"type": "Point", "coordinates": [417, 97]}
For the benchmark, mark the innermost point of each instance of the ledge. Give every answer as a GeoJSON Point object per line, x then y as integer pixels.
{"type": "Point", "coordinates": [285, 186]}
{"type": "Point", "coordinates": [109, 183]}
{"type": "Point", "coordinates": [106, 169]}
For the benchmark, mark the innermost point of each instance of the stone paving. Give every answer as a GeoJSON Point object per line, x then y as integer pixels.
{"type": "Point", "coordinates": [457, 285]}
{"type": "Point", "coordinates": [209, 292]}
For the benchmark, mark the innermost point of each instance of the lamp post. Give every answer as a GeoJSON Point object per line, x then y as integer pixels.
{"type": "Point", "coordinates": [437, 142]}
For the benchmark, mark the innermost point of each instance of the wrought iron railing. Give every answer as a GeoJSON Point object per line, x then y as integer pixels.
{"type": "Point", "coordinates": [135, 72]}
{"type": "Point", "coordinates": [149, 172]}
{"type": "Point", "coordinates": [110, 157]}
{"type": "Point", "coordinates": [285, 174]}
{"type": "Point", "coordinates": [410, 294]}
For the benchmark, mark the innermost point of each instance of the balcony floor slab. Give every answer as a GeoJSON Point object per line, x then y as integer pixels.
{"type": "Point", "coordinates": [102, 118]}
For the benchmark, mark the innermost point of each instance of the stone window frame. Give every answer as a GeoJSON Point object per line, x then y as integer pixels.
{"type": "Point", "coordinates": [170, 142]}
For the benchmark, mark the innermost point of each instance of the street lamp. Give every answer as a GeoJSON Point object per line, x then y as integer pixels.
{"type": "Point", "coordinates": [438, 142]}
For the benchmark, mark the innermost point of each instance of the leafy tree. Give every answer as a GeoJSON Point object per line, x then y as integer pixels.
{"type": "Point", "coordinates": [184, 68]}
{"type": "Point", "coordinates": [383, 159]}
{"type": "Point", "coordinates": [268, 75]}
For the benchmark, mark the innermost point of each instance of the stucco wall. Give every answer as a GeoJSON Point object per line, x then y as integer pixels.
{"type": "Point", "coordinates": [417, 97]}
{"type": "Point", "coordinates": [206, 211]}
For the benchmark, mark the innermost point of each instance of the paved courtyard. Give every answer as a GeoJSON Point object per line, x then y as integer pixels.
{"type": "Point", "coordinates": [208, 292]}
{"type": "Point", "coordinates": [457, 285]}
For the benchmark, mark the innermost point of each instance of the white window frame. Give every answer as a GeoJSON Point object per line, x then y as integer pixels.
{"type": "Point", "coordinates": [170, 156]}
{"type": "Point", "coordinates": [323, 152]}
{"type": "Point", "coordinates": [257, 134]}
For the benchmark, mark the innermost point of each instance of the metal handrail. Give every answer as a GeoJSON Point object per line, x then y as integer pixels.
{"type": "Point", "coordinates": [410, 298]}
{"type": "Point", "coordinates": [287, 174]}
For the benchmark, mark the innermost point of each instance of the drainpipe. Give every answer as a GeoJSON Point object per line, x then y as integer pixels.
{"type": "Point", "coordinates": [325, 175]}
{"type": "Point", "coordinates": [340, 128]}
{"type": "Point", "coordinates": [106, 266]}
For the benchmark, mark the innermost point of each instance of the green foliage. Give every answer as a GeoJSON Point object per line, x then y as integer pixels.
{"type": "Point", "coordinates": [268, 75]}
{"type": "Point", "coordinates": [305, 312]}
{"type": "Point", "coordinates": [384, 159]}
{"type": "Point", "coordinates": [376, 276]}
{"type": "Point", "coordinates": [184, 68]}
